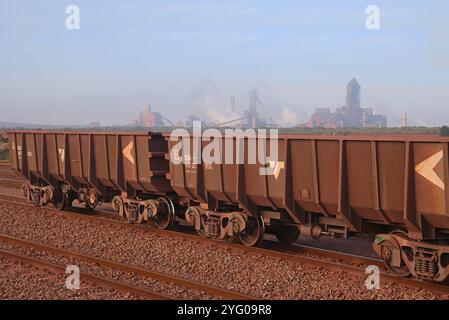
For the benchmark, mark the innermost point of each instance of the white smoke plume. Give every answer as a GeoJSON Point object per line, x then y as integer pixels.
{"type": "Point", "coordinates": [288, 118]}
{"type": "Point", "coordinates": [217, 114]}
{"type": "Point", "coordinates": [205, 101]}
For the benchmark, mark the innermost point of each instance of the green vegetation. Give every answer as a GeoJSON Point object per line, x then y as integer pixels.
{"type": "Point", "coordinates": [363, 131]}
{"type": "Point", "coordinates": [4, 151]}
{"type": "Point", "coordinates": [444, 131]}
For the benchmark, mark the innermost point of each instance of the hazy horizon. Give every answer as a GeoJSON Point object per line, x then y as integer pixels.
{"type": "Point", "coordinates": [190, 57]}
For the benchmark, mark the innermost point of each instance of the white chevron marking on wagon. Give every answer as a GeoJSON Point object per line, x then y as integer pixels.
{"type": "Point", "coordinates": [127, 152]}
{"type": "Point", "coordinates": [277, 165]}
{"type": "Point", "coordinates": [426, 169]}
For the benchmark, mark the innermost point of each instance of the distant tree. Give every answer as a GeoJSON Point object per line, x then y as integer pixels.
{"type": "Point", "coordinates": [4, 152]}
{"type": "Point", "coordinates": [444, 131]}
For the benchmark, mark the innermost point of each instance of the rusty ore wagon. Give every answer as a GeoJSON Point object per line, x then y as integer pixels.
{"type": "Point", "coordinates": [391, 186]}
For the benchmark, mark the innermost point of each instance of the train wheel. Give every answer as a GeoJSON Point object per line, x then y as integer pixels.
{"type": "Point", "coordinates": [165, 214]}
{"type": "Point", "coordinates": [117, 205]}
{"type": "Point", "coordinates": [91, 200]}
{"type": "Point", "coordinates": [387, 254]}
{"type": "Point", "coordinates": [287, 234]}
{"type": "Point", "coordinates": [254, 231]}
{"type": "Point", "coordinates": [61, 201]}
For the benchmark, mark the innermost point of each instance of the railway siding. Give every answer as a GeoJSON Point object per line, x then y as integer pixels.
{"type": "Point", "coordinates": [275, 277]}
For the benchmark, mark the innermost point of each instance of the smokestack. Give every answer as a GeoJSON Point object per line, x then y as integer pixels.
{"type": "Point", "coordinates": [404, 120]}
{"type": "Point", "coordinates": [364, 119]}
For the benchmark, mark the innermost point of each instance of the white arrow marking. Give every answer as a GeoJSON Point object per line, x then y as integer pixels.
{"type": "Point", "coordinates": [127, 152]}
{"type": "Point", "coordinates": [277, 165]}
{"type": "Point", "coordinates": [426, 169]}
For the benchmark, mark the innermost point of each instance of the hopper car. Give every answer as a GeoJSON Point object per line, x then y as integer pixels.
{"type": "Point", "coordinates": [395, 187]}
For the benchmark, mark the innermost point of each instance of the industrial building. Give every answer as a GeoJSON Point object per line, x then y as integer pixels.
{"type": "Point", "coordinates": [148, 118]}
{"type": "Point", "coordinates": [350, 115]}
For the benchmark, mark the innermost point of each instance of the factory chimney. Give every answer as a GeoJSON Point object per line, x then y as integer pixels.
{"type": "Point", "coordinates": [404, 120]}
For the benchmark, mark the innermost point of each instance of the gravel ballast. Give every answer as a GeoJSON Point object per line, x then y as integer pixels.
{"type": "Point", "coordinates": [229, 268]}
{"type": "Point", "coordinates": [20, 281]}
{"type": "Point", "coordinates": [137, 280]}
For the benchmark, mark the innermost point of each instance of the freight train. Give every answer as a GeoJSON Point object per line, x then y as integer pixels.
{"type": "Point", "coordinates": [392, 186]}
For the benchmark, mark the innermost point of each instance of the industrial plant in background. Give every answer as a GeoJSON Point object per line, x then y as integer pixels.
{"type": "Point", "coordinates": [350, 115]}
{"type": "Point", "coordinates": [150, 119]}
{"type": "Point", "coordinates": [252, 116]}
{"type": "Point", "coordinates": [251, 119]}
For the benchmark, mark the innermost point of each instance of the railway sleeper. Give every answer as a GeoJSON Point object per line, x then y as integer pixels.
{"type": "Point", "coordinates": [404, 256]}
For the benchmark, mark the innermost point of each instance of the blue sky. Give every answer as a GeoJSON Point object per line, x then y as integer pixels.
{"type": "Point", "coordinates": [186, 57]}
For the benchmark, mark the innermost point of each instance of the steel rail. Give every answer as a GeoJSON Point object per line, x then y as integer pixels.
{"type": "Point", "coordinates": [13, 179]}
{"type": "Point", "coordinates": [100, 281]}
{"type": "Point", "coordinates": [16, 198]}
{"type": "Point", "coordinates": [11, 182]}
{"type": "Point", "coordinates": [346, 257]}
{"type": "Point", "coordinates": [349, 258]}
{"type": "Point", "coordinates": [214, 291]}
{"type": "Point", "coordinates": [9, 174]}
{"type": "Point", "coordinates": [318, 261]}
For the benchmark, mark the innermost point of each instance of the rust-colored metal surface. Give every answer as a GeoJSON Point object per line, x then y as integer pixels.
{"type": "Point", "coordinates": [335, 185]}
{"type": "Point", "coordinates": [393, 181]}
{"type": "Point", "coordinates": [128, 162]}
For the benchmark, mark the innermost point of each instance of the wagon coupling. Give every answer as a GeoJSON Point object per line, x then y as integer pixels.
{"type": "Point", "coordinates": [311, 230]}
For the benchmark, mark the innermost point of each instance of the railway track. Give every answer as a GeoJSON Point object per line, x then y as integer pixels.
{"type": "Point", "coordinates": [331, 260]}
{"type": "Point", "coordinates": [214, 291]}
{"type": "Point", "coordinates": [4, 165]}
{"type": "Point", "coordinates": [6, 170]}
{"type": "Point", "coordinates": [8, 174]}
{"type": "Point", "coordinates": [100, 281]}
{"type": "Point", "coordinates": [14, 200]}
{"type": "Point", "coordinates": [110, 218]}
{"type": "Point", "coordinates": [9, 177]}
{"type": "Point", "coordinates": [12, 182]}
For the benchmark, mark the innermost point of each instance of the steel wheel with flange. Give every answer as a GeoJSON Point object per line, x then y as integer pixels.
{"type": "Point", "coordinates": [165, 216]}
{"type": "Point", "coordinates": [61, 200]}
{"type": "Point", "coordinates": [387, 253]}
{"type": "Point", "coordinates": [253, 233]}
{"type": "Point", "coordinates": [117, 205]}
